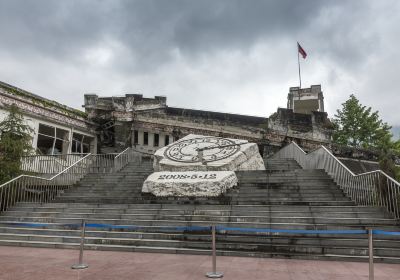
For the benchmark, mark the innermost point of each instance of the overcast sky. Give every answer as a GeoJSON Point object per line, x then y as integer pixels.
{"type": "Point", "coordinates": [220, 55]}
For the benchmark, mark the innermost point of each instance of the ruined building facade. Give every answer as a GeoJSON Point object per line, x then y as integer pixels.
{"type": "Point", "coordinates": [149, 123]}
{"type": "Point", "coordinates": [57, 129]}
{"type": "Point", "coordinates": [111, 124]}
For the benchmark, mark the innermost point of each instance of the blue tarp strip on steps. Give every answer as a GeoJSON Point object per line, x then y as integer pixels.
{"type": "Point", "coordinates": [208, 228]}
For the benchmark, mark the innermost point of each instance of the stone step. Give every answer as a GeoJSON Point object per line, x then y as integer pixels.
{"type": "Point", "coordinates": [297, 171]}
{"type": "Point", "coordinates": [294, 202]}
{"type": "Point", "coordinates": [218, 212]}
{"type": "Point", "coordinates": [38, 216]}
{"type": "Point", "coordinates": [288, 174]}
{"type": "Point", "coordinates": [235, 191]}
{"type": "Point", "coordinates": [200, 200]}
{"type": "Point", "coordinates": [206, 245]}
{"type": "Point", "coordinates": [240, 253]}
{"type": "Point", "coordinates": [246, 191]}
{"type": "Point", "coordinates": [277, 195]}
{"type": "Point", "coordinates": [275, 198]}
{"type": "Point", "coordinates": [283, 181]}
{"type": "Point", "coordinates": [118, 191]}
{"type": "Point", "coordinates": [114, 179]}
{"type": "Point", "coordinates": [278, 223]}
{"type": "Point", "coordinates": [117, 175]}
{"type": "Point", "coordinates": [134, 197]}
{"type": "Point", "coordinates": [97, 188]}
{"type": "Point", "coordinates": [239, 191]}
{"type": "Point", "coordinates": [111, 181]}
{"type": "Point", "coordinates": [328, 239]}
{"type": "Point", "coordinates": [244, 207]}
{"type": "Point", "coordinates": [271, 186]}
{"type": "Point", "coordinates": [224, 213]}
{"type": "Point", "coordinates": [179, 234]}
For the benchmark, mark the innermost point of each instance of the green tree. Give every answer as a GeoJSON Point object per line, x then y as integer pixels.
{"type": "Point", "coordinates": [396, 148]}
{"type": "Point", "coordinates": [357, 126]}
{"type": "Point", "coordinates": [15, 142]}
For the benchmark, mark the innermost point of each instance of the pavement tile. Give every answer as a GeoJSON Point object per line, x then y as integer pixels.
{"type": "Point", "coordinates": [18, 263]}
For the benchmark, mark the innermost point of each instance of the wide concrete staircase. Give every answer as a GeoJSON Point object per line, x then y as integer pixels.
{"type": "Point", "coordinates": [283, 197]}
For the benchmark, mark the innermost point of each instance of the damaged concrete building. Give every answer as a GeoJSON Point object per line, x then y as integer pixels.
{"type": "Point", "coordinates": [149, 123]}
{"type": "Point", "coordinates": [110, 124]}
{"type": "Point", "coordinates": [57, 129]}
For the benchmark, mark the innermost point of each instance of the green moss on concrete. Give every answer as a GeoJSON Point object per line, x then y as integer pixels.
{"type": "Point", "coordinates": [71, 112]}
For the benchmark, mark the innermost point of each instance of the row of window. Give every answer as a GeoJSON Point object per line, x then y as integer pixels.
{"type": "Point", "coordinates": [52, 141]}
{"type": "Point", "coordinates": [156, 139]}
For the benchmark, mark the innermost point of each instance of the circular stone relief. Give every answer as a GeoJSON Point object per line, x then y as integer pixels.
{"type": "Point", "coordinates": [187, 150]}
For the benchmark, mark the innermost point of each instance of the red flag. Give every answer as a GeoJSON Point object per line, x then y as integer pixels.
{"type": "Point", "coordinates": [301, 51]}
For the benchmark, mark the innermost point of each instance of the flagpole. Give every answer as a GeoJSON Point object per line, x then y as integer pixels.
{"type": "Point", "coordinates": [298, 62]}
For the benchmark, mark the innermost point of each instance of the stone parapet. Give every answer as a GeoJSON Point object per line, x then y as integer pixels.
{"type": "Point", "coordinates": [39, 107]}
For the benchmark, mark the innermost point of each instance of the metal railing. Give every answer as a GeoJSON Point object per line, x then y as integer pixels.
{"type": "Point", "coordinates": [373, 188]}
{"type": "Point", "coordinates": [42, 189]}
{"type": "Point", "coordinates": [48, 164]}
{"type": "Point", "coordinates": [105, 163]}
{"type": "Point", "coordinates": [27, 188]}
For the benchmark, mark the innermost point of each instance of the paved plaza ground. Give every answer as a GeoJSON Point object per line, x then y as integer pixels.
{"type": "Point", "coordinates": [18, 263]}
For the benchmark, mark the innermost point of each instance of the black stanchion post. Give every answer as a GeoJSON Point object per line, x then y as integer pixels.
{"type": "Point", "coordinates": [80, 264]}
{"type": "Point", "coordinates": [371, 254]}
{"type": "Point", "coordinates": [214, 273]}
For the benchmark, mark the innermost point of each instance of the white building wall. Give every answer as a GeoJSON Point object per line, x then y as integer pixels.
{"type": "Point", "coordinates": [149, 148]}
{"type": "Point", "coordinates": [34, 124]}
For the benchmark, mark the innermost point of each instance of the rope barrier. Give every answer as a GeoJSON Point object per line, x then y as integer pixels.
{"type": "Point", "coordinates": [377, 231]}
{"type": "Point", "coordinates": [43, 225]}
{"type": "Point", "coordinates": [214, 229]}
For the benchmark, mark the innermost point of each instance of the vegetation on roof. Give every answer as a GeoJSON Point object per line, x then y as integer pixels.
{"type": "Point", "coordinates": [35, 99]}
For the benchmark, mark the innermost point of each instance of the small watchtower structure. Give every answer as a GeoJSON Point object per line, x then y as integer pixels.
{"type": "Point", "coordinates": [306, 100]}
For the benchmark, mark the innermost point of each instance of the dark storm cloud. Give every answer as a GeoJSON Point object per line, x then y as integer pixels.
{"type": "Point", "coordinates": [150, 30]}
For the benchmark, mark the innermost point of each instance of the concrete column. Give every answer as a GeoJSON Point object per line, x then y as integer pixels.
{"type": "Point", "coordinates": [160, 140]}
{"type": "Point", "coordinates": [140, 134]}
{"type": "Point", "coordinates": [149, 139]}
{"type": "Point", "coordinates": [35, 127]}
{"type": "Point", "coordinates": [71, 132]}
{"type": "Point", "coordinates": [94, 146]}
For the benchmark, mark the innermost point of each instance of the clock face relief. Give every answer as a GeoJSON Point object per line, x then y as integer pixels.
{"type": "Point", "coordinates": [187, 150]}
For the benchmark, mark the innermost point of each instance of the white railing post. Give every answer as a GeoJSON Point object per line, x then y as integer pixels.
{"type": "Point", "coordinates": [81, 264]}
{"type": "Point", "coordinates": [214, 273]}
{"type": "Point", "coordinates": [371, 254]}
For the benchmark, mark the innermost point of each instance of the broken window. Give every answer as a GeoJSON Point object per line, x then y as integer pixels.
{"type": "Point", "coordinates": [166, 140]}
{"type": "Point", "coordinates": [52, 140]}
{"type": "Point", "coordinates": [145, 138]}
{"type": "Point", "coordinates": [135, 137]}
{"type": "Point", "coordinates": [156, 140]}
{"type": "Point", "coordinates": [81, 144]}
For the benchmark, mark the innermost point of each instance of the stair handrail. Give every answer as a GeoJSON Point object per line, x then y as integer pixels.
{"type": "Point", "coordinates": [41, 189]}
{"type": "Point", "coordinates": [123, 158]}
{"type": "Point", "coordinates": [48, 164]}
{"type": "Point", "coordinates": [124, 151]}
{"type": "Point", "coordinates": [373, 188]}
{"type": "Point", "coordinates": [144, 153]}
{"type": "Point", "coordinates": [44, 178]}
